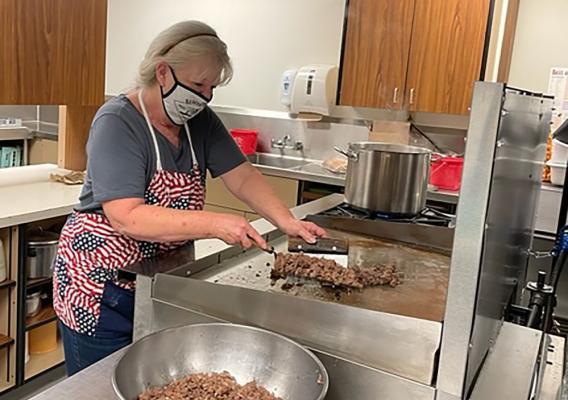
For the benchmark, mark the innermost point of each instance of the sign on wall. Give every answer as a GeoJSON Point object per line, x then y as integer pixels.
{"type": "Point", "coordinates": [558, 86]}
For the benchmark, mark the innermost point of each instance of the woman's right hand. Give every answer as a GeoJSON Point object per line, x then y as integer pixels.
{"type": "Point", "coordinates": [233, 229]}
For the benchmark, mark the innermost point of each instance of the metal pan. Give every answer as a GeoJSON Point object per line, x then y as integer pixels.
{"type": "Point", "coordinates": [275, 362]}
{"type": "Point", "coordinates": [387, 178]}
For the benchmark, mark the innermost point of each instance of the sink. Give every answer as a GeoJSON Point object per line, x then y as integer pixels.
{"type": "Point", "coordinates": [276, 161]}
{"type": "Point", "coordinates": [304, 169]}
{"type": "Point", "coordinates": [317, 169]}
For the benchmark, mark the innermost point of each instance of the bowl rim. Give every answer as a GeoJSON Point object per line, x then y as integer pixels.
{"type": "Point", "coordinates": [323, 370]}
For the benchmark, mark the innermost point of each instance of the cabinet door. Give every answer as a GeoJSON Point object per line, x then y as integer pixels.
{"type": "Point", "coordinates": [446, 53]}
{"type": "Point", "coordinates": [53, 51]}
{"type": "Point", "coordinates": [218, 195]}
{"type": "Point", "coordinates": [375, 55]}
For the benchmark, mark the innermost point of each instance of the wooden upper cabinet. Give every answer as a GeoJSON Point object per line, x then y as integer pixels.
{"type": "Point", "coordinates": [375, 57]}
{"type": "Point", "coordinates": [53, 51]}
{"type": "Point", "coordinates": [446, 54]}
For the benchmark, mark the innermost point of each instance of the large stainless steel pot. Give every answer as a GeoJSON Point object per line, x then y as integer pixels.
{"type": "Point", "coordinates": [41, 250]}
{"type": "Point", "coordinates": [387, 178]}
{"type": "Point", "coordinates": [277, 363]}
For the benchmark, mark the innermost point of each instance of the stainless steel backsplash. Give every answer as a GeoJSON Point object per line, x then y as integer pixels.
{"type": "Point", "coordinates": [49, 114]}
{"type": "Point", "coordinates": [318, 138]}
{"type": "Point", "coordinates": [448, 142]}
{"type": "Point", "coordinates": [37, 118]}
{"type": "Point", "coordinates": [25, 113]}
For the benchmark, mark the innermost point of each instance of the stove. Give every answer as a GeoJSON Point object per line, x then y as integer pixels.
{"type": "Point", "coordinates": [431, 229]}
{"type": "Point", "coordinates": [429, 216]}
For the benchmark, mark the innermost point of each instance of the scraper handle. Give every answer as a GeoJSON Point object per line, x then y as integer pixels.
{"type": "Point", "coordinates": [322, 246]}
{"type": "Point", "coordinates": [269, 249]}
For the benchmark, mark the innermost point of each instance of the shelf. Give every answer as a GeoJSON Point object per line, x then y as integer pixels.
{"type": "Point", "coordinates": [5, 386]}
{"type": "Point", "coordinates": [39, 363]}
{"type": "Point", "coordinates": [5, 341]}
{"type": "Point", "coordinates": [45, 316]}
{"type": "Point", "coordinates": [37, 282]}
{"type": "Point", "coordinates": [7, 284]}
{"type": "Point", "coordinates": [15, 133]}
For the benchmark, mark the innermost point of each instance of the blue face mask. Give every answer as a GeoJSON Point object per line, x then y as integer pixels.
{"type": "Point", "coordinates": [181, 102]}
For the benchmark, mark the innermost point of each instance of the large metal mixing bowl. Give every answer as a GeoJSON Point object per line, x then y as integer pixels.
{"type": "Point", "coordinates": [277, 363]}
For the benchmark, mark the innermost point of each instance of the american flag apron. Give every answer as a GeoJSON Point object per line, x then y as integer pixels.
{"type": "Point", "coordinates": [91, 251]}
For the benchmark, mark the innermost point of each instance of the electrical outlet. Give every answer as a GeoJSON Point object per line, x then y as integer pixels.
{"type": "Point", "coordinates": [10, 122]}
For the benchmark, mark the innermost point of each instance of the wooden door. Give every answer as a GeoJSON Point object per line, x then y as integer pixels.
{"type": "Point", "coordinates": [53, 51]}
{"type": "Point", "coordinates": [446, 53]}
{"type": "Point", "coordinates": [375, 56]}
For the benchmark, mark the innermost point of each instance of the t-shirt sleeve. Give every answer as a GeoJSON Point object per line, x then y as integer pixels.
{"type": "Point", "coordinates": [221, 151]}
{"type": "Point", "coordinates": [116, 160]}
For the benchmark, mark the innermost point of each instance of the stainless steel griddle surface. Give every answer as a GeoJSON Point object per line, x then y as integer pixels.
{"type": "Point", "coordinates": [421, 294]}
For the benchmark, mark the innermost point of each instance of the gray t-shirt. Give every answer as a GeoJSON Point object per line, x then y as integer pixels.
{"type": "Point", "coordinates": [121, 159]}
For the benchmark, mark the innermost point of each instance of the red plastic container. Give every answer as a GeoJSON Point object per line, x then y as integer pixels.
{"type": "Point", "coordinates": [246, 139]}
{"type": "Point", "coordinates": [446, 172]}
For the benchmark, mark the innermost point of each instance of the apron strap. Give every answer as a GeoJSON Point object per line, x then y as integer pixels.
{"type": "Point", "coordinates": [193, 158]}
{"type": "Point", "coordinates": [152, 133]}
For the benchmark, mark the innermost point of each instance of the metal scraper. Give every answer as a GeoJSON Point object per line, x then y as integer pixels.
{"type": "Point", "coordinates": [328, 248]}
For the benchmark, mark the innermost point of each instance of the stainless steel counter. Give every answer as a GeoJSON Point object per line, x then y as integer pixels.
{"type": "Point", "coordinates": [93, 383]}
{"type": "Point", "coordinates": [546, 216]}
{"type": "Point", "coordinates": [314, 172]}
{"type": "Point", "coordinates": [516, 346]}
{"type": "Point", "coordinates": [311, 172]}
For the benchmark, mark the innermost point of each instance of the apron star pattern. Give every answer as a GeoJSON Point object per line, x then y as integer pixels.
{"type": "Point", "coordinates": [90, 251]}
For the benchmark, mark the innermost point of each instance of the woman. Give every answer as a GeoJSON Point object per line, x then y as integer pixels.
{"type": "Point", "coordinates": [148, 152]}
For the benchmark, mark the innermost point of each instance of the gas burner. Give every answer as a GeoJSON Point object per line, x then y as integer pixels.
{"type": "Point", "coordinates": [428, 216]}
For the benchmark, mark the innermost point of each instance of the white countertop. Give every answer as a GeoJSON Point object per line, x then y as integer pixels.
{"type": "Point", "coordinates": [35, 199]}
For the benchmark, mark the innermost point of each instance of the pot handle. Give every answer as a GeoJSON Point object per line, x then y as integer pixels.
{"type": "Point", "coordinates": [439, 167]}
{"type": "Point", "coordinates": [437, 156]}
{"type": "Point", "coordinates": [347, 153]}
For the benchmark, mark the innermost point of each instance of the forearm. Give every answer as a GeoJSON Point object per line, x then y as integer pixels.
{"type": "Point", "coordinates": [160, 224]}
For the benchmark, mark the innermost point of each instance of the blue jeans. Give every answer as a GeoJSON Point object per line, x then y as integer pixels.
{"type": "Point", "coordinates": [113, 331]}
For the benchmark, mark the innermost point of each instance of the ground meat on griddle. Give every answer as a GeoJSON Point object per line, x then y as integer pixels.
{"type": "Point", "coordinates": [377, 276]}
{"type": "Point", "coordinates": [208, 386]}
{"type": "Point", "coordinates": [321, 269]}
{"type": "Point", "coordinates": [329, 271]}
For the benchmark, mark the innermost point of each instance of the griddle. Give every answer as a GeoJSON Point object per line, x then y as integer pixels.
{"type": "Point", "coordinates": [422, 293]}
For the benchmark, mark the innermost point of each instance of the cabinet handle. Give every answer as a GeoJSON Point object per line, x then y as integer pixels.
{"type": "Point", "coordinates": [412, 96]}
{"type": "Point", "coordinates": [395, 96]}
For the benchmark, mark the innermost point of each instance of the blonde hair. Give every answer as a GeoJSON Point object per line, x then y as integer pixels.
{"type": "Point", "coordinates": [178, 44]}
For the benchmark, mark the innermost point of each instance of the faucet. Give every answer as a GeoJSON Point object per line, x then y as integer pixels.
{"type": "Point", "coordinates": [286, 143]}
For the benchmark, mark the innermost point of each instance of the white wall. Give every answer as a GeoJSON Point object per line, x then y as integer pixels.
{"type": "Point", "coordinates": [264, 37]}
{"type": "Point", "coordinates": [496, 39]}
{"type": "Point", "coordinates": [541, 42]}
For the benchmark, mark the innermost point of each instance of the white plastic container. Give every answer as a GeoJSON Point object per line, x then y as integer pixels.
{"type": "Point", "coordinates": [557, 172]}
{"type": "Point", "coordinates": [286, 85]}
{"type": "Point", "coordinates": [559, 152]}
{"type": "Point", "coordinates": [33, 304]}
{"type": "Point", "coordinates": [314, 89]}
{"type": "Point", "coordinates": [3, 263]}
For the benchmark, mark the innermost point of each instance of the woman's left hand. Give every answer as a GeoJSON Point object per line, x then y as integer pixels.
{"type": "Point", "coordinates": [304, 229]}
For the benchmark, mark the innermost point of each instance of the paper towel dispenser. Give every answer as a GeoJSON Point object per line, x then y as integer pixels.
{"type": "Point", "coordinates": [314, 89]}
